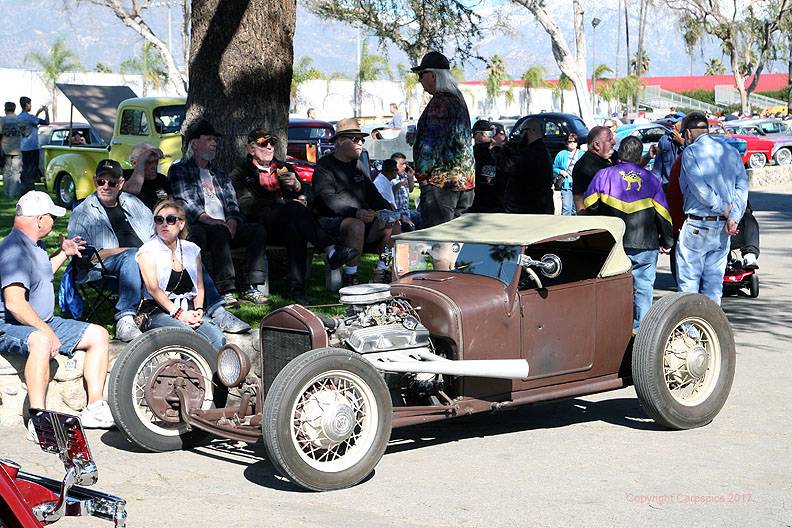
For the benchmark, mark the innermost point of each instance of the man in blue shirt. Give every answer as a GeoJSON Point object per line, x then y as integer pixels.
{"type": "Point", "coordinates": [714, 188]}
{"type": "Point", "coordinates": [28, 325]}
{"type": "Point", "coordinates": [28, 127]}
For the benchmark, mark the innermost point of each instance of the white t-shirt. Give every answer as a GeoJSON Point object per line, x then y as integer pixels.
{"type": "Point", "coordinates": [212, 204]}
{"type": "Point", "coordinates": [385, 188]}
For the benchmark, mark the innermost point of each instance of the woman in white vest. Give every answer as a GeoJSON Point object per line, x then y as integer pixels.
{"type": "Point", "coordinates": [171, 269]}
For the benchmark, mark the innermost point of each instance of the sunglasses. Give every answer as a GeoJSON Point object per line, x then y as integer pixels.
{"type": "Point", "coordinates": [101, 182]}
{"type": "Point", "coordinates": [355, 139]}
{"type": "Point", "coordinates": [264, 142]}
{"type": "Point", "coordinates": [170, 219]}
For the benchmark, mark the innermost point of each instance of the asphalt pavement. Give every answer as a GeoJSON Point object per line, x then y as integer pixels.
{"type": "Point", "coordinates": [594, 461]}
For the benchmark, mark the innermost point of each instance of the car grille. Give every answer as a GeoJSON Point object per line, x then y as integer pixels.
{"type": "Point", "coordinates": [278, 347]}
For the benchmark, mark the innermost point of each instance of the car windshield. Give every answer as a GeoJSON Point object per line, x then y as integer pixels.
{"type": "Point", "coordinates": [307, 133]}
{"type": "Point", "coordinates": [169, 119]}
{"type": "Point", "coordinates": [490, 260]}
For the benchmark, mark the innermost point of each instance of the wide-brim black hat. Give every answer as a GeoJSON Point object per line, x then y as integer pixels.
{"type": "Point", "coordinates": [434, 60]}
{"type": "Point", "coordinates": [200, 128]}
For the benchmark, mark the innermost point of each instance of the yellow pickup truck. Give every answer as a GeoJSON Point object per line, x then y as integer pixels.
{"type": "Point", "coordinates": [123, 121]}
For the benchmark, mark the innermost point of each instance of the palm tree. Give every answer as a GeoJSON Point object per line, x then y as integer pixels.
{"type": "Point", "coordinates": [496, 74]}
{"type": "Point", "coordinates": [532, 78]}
{"type": "Point", "coordinates": [563, 84]}
{"type": "Point", "coordinates": [409, 83]}
{"type": "Point", "coordinates": [302, 71]}
{"type": "Point", "coordinates": [59, 60]}
{"type": "Point", "coordinates": [372, 67]}
{"type": "Point", "coordinates": [148, 65]}
{"type": "Point", "coordinates": [714, 67]}
{"type": "Point", "coordinates": [692, 33]}
{"type": "Point", "coordinates": [645, 61]}
{"type": "Point", "coordinates": [458, 72]}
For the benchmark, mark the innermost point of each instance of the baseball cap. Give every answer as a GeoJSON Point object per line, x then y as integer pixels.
{"type": "Point", "coordinates": [483, 125]}
{"type": "Point", "coordinates": [261, 136]}
{"type": "Point", "coordinates": [200, 128]}
{"type": "Point", "coordinates": [36, 203]}
{"type": "Point", "coordinates": [109, 167]}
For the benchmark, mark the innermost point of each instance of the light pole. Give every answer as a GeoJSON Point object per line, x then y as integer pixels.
{"type": "Point", "coordinates": [594, 23]}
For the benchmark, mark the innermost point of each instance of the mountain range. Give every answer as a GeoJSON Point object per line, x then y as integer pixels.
{"type": "Point", "coordinates": [97, 36]}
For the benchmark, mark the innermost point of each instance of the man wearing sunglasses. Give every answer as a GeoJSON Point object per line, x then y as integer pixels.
{"type": "Point", "coordinates": [215, 220]}
{"type": "Point", "coordinates": [269, 192]}
{"type": "Point", "coordinates": [714, 188]}
{"type": "Point", "coordinates": [349, 206]}
{"type": "Point", "coordinates": [117, 223]}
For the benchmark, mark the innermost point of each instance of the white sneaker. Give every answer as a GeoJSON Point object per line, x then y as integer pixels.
{"type": "Point", "coordinates": [126, 329]}
{"type": "Point", "coordinates": [228, 322]}
{"type": "Point", "coordinates": [97, 416]}
{"type": "Point", "coordinates": [31, 435]}
{"type": "Point", "coordinates": [749, 261]}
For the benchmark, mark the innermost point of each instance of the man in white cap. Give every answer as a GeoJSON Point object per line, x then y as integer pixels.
{"type": "Point", "coordinates": [28, 326]}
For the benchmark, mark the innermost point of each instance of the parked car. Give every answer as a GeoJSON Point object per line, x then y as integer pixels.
{"type": "Point", "coordinates": [782, 144]}
{"type": "Point", "coordinates": [156, 120]}
{"type": "Point", "coordinates": [770, 126]}
{"type": "Point", "coordinates": [32, 501]}
{"type": "Point", "coordinates": [557, 126]}
{"type": "Point", "coordinates": [487, 312]}
{"type": "Point", "coordinates": [309, 139]}
{"type": "Point", "coordinates": [758, 151]}
{"type": "Point", "coordinates": [58, 134]}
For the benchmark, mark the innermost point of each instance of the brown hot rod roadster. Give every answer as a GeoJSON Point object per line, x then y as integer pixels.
{"type": "Point", "coordinates": [486, 312]}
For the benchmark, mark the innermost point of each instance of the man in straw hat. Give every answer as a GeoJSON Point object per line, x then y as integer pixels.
{"type": "Point", "coordinates": [349, 206]}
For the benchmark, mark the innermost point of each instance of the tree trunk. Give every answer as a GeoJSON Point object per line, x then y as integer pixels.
{"type": "Point", "coordinates": [642, 11]}
{"type": "Point", "coordinates": [572, 67]}
{"type": "Point", "coordinates": [789, 70]}
{"type": "Point", "coordinates": [240, 70]}
{"type": "Point", "coordinates": [185, 32]}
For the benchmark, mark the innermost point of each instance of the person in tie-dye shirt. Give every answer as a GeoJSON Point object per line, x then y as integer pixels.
{"type": "Point", "coordinates": [443, 150]}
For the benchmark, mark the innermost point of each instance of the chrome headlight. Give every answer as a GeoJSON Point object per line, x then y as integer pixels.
{"type": "Point", "coordinates": [233, 366]}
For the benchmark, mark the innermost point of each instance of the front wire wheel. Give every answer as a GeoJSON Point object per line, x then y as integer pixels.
{"type": "Point", "coordinates": [327, 419]}
{"type": "Point", "coordinates": [691, 361]}
{"type": "Point", "coordinates": [683, 361]}
{"type": "Point", "coordinates": [141, 387]}
{"type": "Point", "coordinates": [335, 421]}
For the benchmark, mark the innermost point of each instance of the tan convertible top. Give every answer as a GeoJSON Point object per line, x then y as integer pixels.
{"type": "Point", "coordinates": [526, 229]}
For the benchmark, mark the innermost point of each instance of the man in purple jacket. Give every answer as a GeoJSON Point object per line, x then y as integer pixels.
{"type": "Point", "coordinates": [628, 191]}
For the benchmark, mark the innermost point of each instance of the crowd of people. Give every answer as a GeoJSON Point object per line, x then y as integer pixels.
{"type": "Point", "coordinates": [170, 239]}
{"type": "Point", "coordinates": [19, 146]}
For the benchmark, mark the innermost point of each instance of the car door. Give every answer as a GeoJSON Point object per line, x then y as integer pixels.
{"type": "Point", "coordinates": [133, 127]}
{"type": "Point", "coordinates": [558, 330]}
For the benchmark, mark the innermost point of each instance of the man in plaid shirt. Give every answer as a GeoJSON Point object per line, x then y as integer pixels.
{"type": "Point", "coordinates": [216, 223]}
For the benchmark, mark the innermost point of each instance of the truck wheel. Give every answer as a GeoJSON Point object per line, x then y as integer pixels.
{"type": "Point", "coordinates": [683, 361]}
{"type": "Point", "coordinates": [783, 156]}
{"type": "Point", "coordinates": [141, 391]}
{"type": "Point", "coordinates": [327, 419]}
{"type": "Point", "coordinates": [757, 160]}
{"type": "Point", "coordinates": [753, 286]}
{"type": "Point", "coordinates": [65, 190]}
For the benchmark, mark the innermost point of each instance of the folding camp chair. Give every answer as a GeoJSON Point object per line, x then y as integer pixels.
{"type": "Point", "coordinates": [95, 294]}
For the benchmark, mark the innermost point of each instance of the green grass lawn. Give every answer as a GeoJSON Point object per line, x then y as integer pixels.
{"type": "Point", "coordinates": [250, 313]}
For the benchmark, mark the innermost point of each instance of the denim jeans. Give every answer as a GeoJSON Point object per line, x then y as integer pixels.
{"type": "Point", "coordinates": [644, 270]}
{"type": "Point", "coordinates": [701, 257]}
{"type": "Point", "coordinates": [208, 329]}
{"type": "Point", "coordinates": [130, 285]}
{"type": "Point", "coordinates": [567, 203]}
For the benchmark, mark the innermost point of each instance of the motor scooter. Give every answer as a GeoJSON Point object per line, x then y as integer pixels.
{"type": "Point", "coordinates": [32, 501]}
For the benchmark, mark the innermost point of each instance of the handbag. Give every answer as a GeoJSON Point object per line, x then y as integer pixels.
{"type": "Point", "coordinates": [145, 310]}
